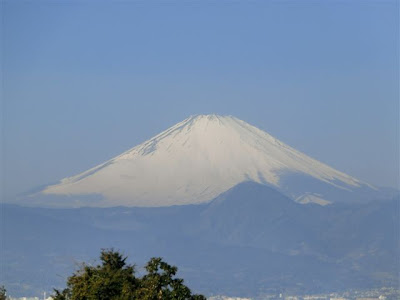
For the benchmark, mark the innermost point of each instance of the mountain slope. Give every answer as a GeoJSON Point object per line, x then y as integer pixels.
{"type": "Point", "coordinates": [195, 161]}
{"type": "Point", "coordinates": [250, 240]}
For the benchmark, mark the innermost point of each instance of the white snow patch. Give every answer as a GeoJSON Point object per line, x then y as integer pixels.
{"type": "Point", "coordinates": [193, 162]}
{"type": "Point", "coordinates": [312, 198]}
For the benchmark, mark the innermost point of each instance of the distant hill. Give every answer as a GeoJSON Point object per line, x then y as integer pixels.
{"type": "Point", "coordinates": [250, 240]}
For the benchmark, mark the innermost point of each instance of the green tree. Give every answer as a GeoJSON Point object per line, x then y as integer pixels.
{"type": "Point", "coordinates": [3, 293]}
{"type": "Point", "coordinates": [61, 295]}
{"type": "Point", "coordinates": [113, 279]}
{"type": "Point", "coordinates": [159, 283]}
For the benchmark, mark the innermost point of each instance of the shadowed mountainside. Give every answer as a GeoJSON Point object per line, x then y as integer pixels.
{"type": "Point", "coordinates": [250, 240]}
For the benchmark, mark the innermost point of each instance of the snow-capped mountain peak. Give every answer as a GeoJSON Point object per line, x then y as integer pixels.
{"type": "Point", "coordinates": [196, 160]}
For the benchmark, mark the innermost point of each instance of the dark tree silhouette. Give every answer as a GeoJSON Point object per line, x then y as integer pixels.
{"type": "Point", "coordinates": [3, 293]}
{"type": "Point", "coordinates": [159, 283]}
{"type": "Point", "coordinates": [113, 279]}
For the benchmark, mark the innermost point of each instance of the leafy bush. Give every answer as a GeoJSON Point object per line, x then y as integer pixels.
{"type": "Point", "coordinates": [113, 279]}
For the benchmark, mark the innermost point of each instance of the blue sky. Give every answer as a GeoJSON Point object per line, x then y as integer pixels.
{"type": "Point", "coordinates": [85, 80]}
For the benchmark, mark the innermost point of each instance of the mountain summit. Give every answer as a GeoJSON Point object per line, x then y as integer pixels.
{"type": "Point", "coordinates": [201, 157]}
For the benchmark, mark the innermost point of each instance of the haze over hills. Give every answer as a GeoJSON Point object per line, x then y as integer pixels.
{"type": "Point", "coordinates": [248, 241]}
{"type": "Point", "coordinates": [96, 104]}
{"type": "Point", "coordinates": [237, 210]}
{"type": "Point", "coordinates": [196, 160]}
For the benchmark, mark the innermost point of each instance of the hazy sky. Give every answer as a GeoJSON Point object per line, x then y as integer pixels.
{"type": "Point", "coordinates": [85, 80]}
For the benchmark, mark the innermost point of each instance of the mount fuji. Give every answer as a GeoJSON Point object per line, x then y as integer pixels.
{"type": "Point", "coordinates": [267, 218]}
{"type": "Point", "coordinates": [196, 160]}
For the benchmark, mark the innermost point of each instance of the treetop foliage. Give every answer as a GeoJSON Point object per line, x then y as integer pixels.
{"type": "Point", "coordinates": [3, 293]}
{"type": "Point", "coordinates": [113, 279]}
